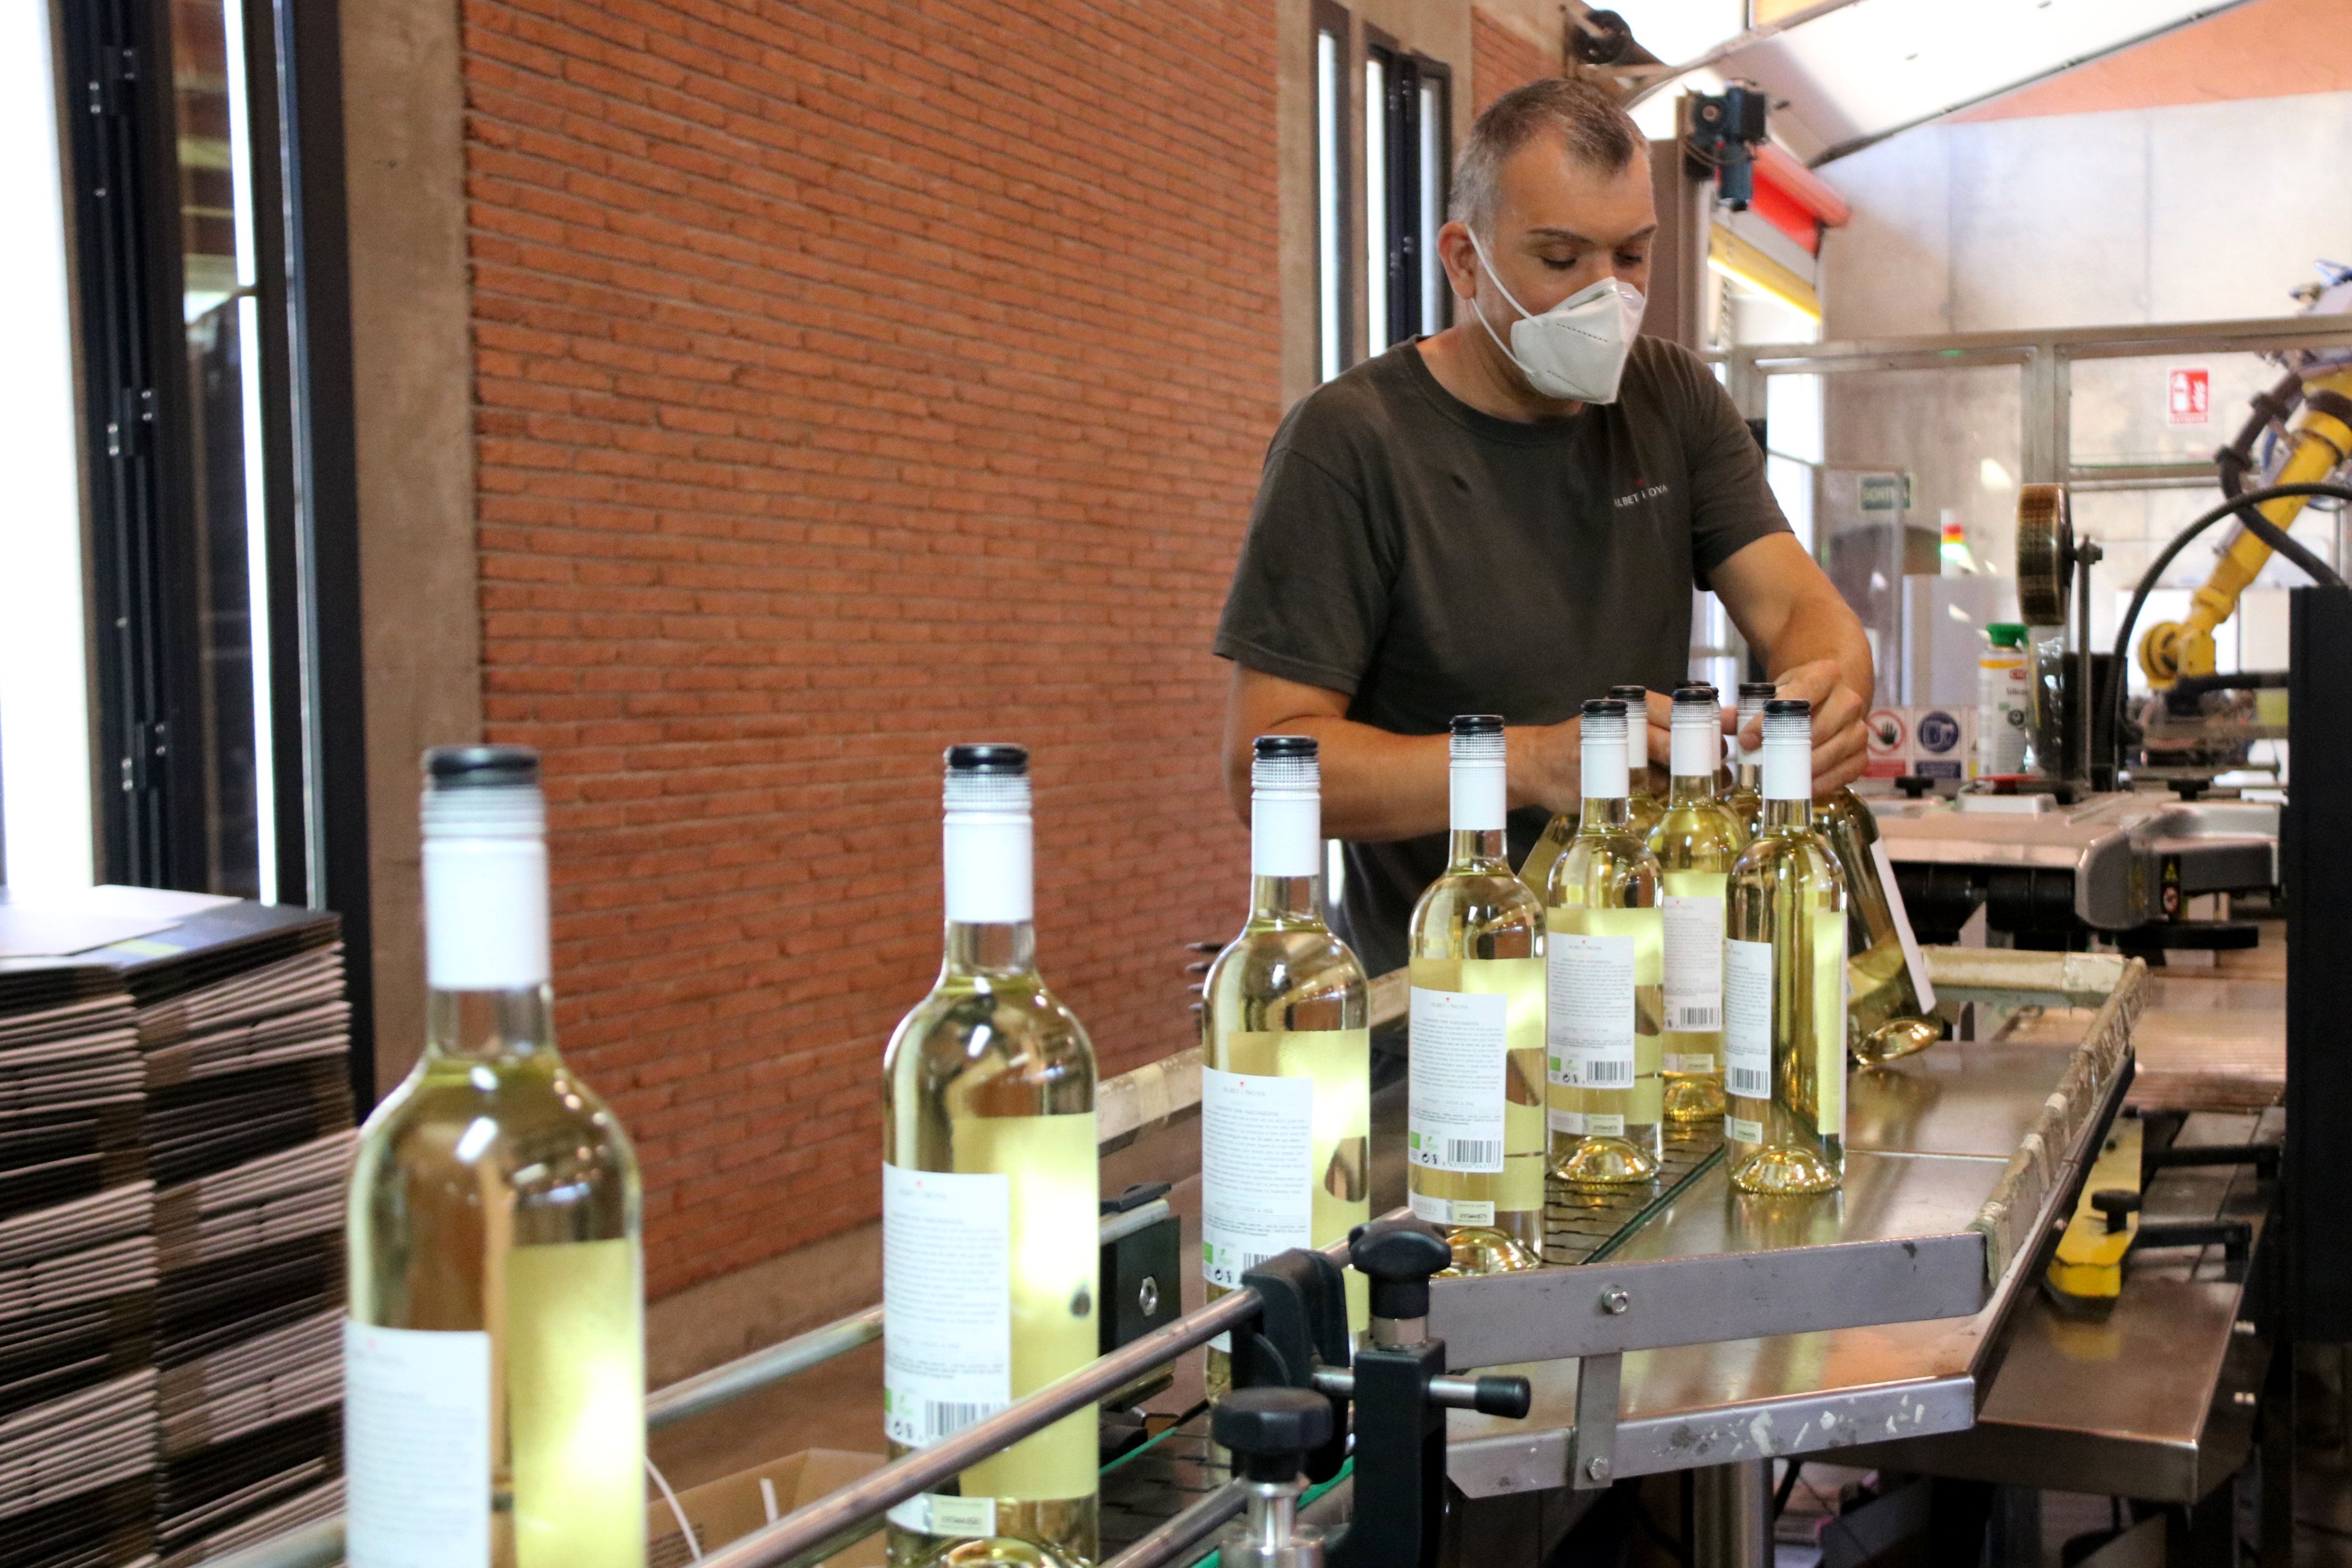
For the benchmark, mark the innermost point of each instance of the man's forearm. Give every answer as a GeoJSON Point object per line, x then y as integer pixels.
{"type": "Point", "coordinates": [1379, 787]}
{"type": "Point", "coordinates": [1835, 634]}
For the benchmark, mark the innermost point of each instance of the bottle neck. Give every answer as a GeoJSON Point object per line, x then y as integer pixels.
{"type": "Point", "coordinates": [504, 1026]}
{"type": "Point", "coordinates": [990, 950]}
{"type": "Point", "coordinates": [1604, 813]}
{"type": "Point", "coordinates": [1292, 901]}
{"type": "Point", "coordinates": [1779, 814]}
{"type": "Point", "coordinates": [486, 944]}
{"type": "Point", "coordinates": [1471, 849]}
{"type": "Point", "coordinates": [1693, 789]}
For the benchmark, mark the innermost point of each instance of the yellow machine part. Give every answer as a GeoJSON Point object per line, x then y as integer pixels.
{"type": "Point", "coordinates": [2088, 1269]}
{"type": "Point", "coordinates": [2322, 442]}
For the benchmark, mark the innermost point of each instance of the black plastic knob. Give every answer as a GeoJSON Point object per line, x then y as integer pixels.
{"type": "Point", "coordinates": [2118, 1204]}
{"type": "Point", "coordinates": [1398, 1256]}
{"type": "Point", "coordinates": [1511, 1397]}
{"type": "Point", "coordinates": [1271, 1431]}
{"type": "Point", "coordinates": [1913, 785]}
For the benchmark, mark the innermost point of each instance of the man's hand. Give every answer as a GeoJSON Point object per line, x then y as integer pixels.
{"type": "Point", "coordinates": [1545, 765]}
{"type": "Point", "coordinates": [1786, 607]}
{"type": "Point", "coordinates": [1841, 745]}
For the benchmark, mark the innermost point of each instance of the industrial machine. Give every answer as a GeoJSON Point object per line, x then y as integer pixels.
{"type": "Point", "coordinates": [2124, 832]}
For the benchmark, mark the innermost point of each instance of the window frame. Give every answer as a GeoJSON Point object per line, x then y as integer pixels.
{"type": "Point", "coordinates": [1331, 151]}
{"type": "Point", "coordinates": [1403, 200]}
{"type": "Point", "coordinates": [150, 754]}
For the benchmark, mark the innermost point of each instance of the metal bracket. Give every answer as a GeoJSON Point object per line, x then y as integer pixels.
{"type": "Point", "coordinates": [1592, 1445]}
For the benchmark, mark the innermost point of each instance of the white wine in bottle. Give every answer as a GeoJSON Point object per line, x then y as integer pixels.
{"type": "Point", "coordinates": [1892, 1000]}
{"type": "Point", "coordinates": [1745, 801]}
{"type": "Point", "coordinates": [1696, 842]}
{"type": "Point", "coordinates": [1285, 1037]}
{"type": "Point", "coordinates": [1642, 808]}
{"type": "Point", "coordinates": [494, 1355]}
{"type": "Point", "coordinates": [989, 1200]}
{"type": "Point", "coordinates": [1474, 1138]}
{"type": "Point", "coordinates": [1784, 983]}
{"type": "Point", "coordinates": [1605, 966]}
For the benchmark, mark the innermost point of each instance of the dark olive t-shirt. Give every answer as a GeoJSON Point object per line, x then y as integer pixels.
{"type": "Point", "coordinates": [1428, 560]}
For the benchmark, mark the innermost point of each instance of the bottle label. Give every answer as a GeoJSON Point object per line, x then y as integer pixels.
{"type": "Point", "coordinates": [931, 1513]}
{"type": "Point", "coordinates": [1913, 960]}
{"type": "Point", "coordinates": [1590, 1011]}
{"type": "Point", "coordinates": [1690, 1063]}
{"type": "Point", "coordinates": [1694, 963]}
{"type": "Point", "coordinates": [1570, 1121]}
{"type": "Point", "coordinates": [1832, 1006]}
{"type": "Point", "coordinates": [416, 1447]}
{"type": "Point", "coordinates": [1452, 1211]}
{"type": "Point", "coordinates": [1460, 1046]}
{"type": "Point", "coordinates": [947, 1319]}
{"type": "Point", "coordinates": [1599, 1125]}
{"type": "Point", "coordinates": [1258, 1171]}
{"type": "Point", "coordinates": [1740, 1130]}
{"type": "Point", "coordinates": [1048, 1262]}
{"type": "Point", "coordinates": [1748, 1018]}
{"type": "Point", "coordinates": [575, 1362]}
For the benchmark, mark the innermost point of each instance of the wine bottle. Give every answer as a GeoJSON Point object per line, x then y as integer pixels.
{"type": "Point", "coordinates": [1475, 1137]}
{"type": "Point", "coordinates": [1695, 842]}
{"type": "Point", "coordinates": [1784, 982]}
{"type": "Point", "coordinates": [989, 1199]}
{"type": "Point", "coordinates": [1605, 968]}
{"type": "Point", "coordinates": [1893, 1000]}
{"type": "Point", "coordinates": [1745, 801]}
{"type": "Point", "coordinates": [494, 1355]}
{"type": "Point", "coordinates": [1642, 808]}
{"type": "Point", "coordinates": [1286, 1042]}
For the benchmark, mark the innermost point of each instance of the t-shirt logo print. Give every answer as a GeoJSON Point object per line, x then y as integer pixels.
{"type": "Point", "coordinates": [1635, 498]}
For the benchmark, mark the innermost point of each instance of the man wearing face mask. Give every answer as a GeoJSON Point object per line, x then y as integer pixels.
{"type": "Point", "coordinates": [1508, 517]}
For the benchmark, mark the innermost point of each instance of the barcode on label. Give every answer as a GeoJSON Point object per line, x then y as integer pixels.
{"type": "Point", "coordinates": [1474, 1152]}
{"type": "Point", "coordinates": [1252, 1259]}
{"type": "Point", "coordinates": [1697, 1020]}
{"type": "Point", "coordinates": [1599, 1072]}
{"type": "Point", "coordinates": [1749, 1083]}
{"type": "Point", "coordinates": [945, 1417]}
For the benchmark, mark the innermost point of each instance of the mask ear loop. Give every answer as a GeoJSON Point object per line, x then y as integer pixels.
{"type": "Point", "coordinates": [1480, 310]}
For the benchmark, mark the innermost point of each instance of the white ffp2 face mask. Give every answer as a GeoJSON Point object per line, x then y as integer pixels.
{"type": "Point", "coordinates": [1575, 351]}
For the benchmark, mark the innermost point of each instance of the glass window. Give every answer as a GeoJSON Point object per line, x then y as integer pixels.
{"type": "Point", "coordinates": [1405, 149]}
{"type": "Point", "coordinates": [221, 311]}
{"type": "Point", "coordinates": [1436, 126]}
{"type": "Point", "coordinates": [1331, 51]}
{"type": "Point", "coordinates": [1378, 238]}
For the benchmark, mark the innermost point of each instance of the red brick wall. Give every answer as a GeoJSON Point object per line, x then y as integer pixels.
{"type": "Point", "coordinates": [1501, 59]}
{"type": "Point", "coordinates": [852, 378]}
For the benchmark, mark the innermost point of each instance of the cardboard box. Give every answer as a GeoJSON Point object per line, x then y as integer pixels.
{"type": "Point", "coordinates": [729, 1508]}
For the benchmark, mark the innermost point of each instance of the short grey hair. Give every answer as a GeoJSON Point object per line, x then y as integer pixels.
{"type": "Point", "coordinates": [1596, 127]}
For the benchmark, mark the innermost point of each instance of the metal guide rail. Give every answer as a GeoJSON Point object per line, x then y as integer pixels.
{"type": "Point", "coordinates": [1956, 1161]}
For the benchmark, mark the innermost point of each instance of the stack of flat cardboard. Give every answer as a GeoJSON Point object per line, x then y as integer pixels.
{"type": "Point", "coordinates": [170, 1263]}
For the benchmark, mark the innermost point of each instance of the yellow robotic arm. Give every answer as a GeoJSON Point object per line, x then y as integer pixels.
{"type": "Point", "coordinates": [2320, 441]}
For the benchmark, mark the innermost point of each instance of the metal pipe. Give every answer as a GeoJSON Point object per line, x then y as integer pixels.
{"type": "Point", "coordinates": [721, 1384]}
{"type": "Point", "coordinates": [1732, 1515]}
{"type": "Point", "coordinates": [1116, 1227]}
{"type": "Point", "coordinates": [1174, 1537]}
{"type": "Point", "coordinates": [797, 1534]}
